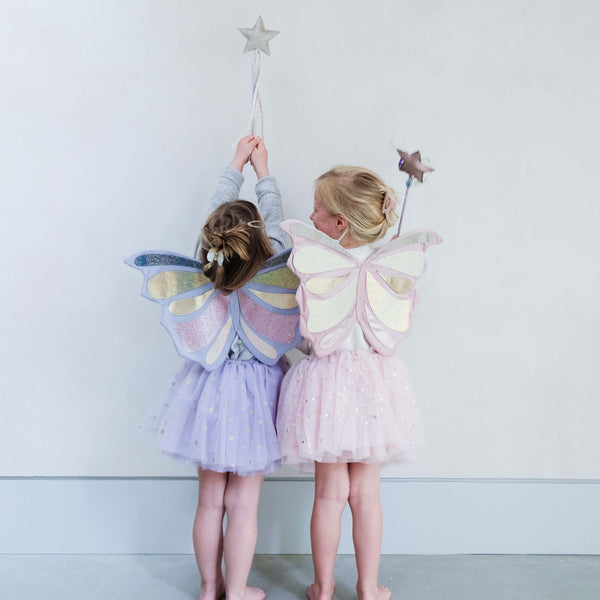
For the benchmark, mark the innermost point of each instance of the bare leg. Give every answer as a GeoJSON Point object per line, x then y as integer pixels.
{"type": "Point", "coordinates": [367, 524]}
{"type": "Point", "coordinates": [331, 495]}
{"type": "Point", "coordinates": [207, 533]}
{"type": "Point", "coordinates": [241, 505]}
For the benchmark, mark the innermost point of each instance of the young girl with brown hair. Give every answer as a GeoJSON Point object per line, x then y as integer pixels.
{"type": "Point", "coordinates": [218, 412]}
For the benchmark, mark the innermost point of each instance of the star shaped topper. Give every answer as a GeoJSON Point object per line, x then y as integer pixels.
{"type": "Point", "coordinates": [258, 37]}
{"type": "Point", "coordinates": [411, 164]}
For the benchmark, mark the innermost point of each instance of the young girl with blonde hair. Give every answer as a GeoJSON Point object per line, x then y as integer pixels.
{"type": "Point", "coordinates": [349, 407]}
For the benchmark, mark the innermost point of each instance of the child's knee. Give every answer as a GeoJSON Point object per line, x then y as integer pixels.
{"type": "Point", "coordinates": [364, 484]}
{"type": "Point", "coordinates": [241, 498]}
{"type": "Point", "coordinates": [333, 491]}
{"type": "Point", "coordinates": [360, 495]}
{"type": "Point", "coordinates": [211, 498]}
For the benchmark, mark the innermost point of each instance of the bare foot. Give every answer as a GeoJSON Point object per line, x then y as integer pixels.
{"type": "Point", "coordinates": [250, 593]}
{"type": "Point", "coordinates": [253, 593]}
{"type": "Point", "coordinates": [380, 593]}
{"type": "Point", "coordinates": [212, 592]}
{"type": "Point", "coordinates": [314, 592]}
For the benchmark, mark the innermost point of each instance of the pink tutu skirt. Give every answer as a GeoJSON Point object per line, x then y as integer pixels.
{"type": "Point", "coordinates": [349, 406]}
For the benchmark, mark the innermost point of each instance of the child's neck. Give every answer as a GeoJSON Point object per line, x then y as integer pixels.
{"type": "Point", "coordinates": [349, 243]}
{"type": "Point", "coordinates": [345, 241]}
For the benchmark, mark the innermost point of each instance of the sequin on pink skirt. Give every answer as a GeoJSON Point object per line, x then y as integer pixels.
{"type": "Point", "coordinates": [349, 406]}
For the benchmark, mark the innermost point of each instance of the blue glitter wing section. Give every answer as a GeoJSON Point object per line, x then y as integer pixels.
{"type": "Point", "coordinates": [164, 258]}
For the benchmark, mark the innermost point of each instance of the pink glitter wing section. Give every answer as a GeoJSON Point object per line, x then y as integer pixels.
{"type": "Point", "coordinates": [270, 325]}
{"type": "Point", "coordinates": [201, 331]}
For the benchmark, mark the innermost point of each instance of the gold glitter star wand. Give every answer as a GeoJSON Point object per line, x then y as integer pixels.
{"type": "Point", "coordinates": [258, 40]}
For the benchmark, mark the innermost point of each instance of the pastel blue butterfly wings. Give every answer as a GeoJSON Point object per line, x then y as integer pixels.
{"type": "Point", "coordinates": [204, 322]}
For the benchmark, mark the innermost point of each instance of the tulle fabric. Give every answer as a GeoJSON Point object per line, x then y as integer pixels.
{"type": "Point", "coordinates": [222, 420]}
{"type": "Point", "coordinates": [349, 406]}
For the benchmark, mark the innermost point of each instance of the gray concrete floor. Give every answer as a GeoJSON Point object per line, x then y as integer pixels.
{"type": "Point", "coordinates": [284, 577]}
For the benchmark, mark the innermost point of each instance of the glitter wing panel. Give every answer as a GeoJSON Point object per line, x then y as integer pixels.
{"type": "Point", "coordinates": [196, 316]}
{"type": "Point", "coordinates": [387, 289]}
{"type": "Point", "coordinates": [167, 274]}
{"type": "Point", "coordinates": [268, 311]}
{"type": "Point", "coordinates": [207, 336]}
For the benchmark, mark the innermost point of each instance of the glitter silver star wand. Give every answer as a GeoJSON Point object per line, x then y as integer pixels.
{"type": "Point", "coordinates": [258, 40]}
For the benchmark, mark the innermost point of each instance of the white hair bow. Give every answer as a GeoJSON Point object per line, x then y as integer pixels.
{"type": "Point", "coordinates": [211, 255]}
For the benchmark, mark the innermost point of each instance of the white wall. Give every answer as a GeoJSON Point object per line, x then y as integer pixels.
{"type": "Point", "coordinates": [153, 516]}
{"type": "Point", "coordinates": [116, 119]}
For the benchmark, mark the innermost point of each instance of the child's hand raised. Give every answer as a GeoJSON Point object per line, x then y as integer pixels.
{"type": "Point", "coordinates": [259, 159]}
{"type": "Point", "coordinates": [243, 151]}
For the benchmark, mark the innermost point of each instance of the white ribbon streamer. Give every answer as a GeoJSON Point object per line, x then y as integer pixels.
{"type": "Point", "coordinates": [256, 116]}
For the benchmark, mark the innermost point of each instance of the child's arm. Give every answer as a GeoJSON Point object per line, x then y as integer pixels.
{"type": "Point", "coordinates": [269, 198]}
{"type": "Point", "coordinates": [230, 183]}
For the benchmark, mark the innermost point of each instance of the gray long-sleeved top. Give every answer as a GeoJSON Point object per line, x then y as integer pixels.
{"type": "Point", "coordinates": [269, 206]}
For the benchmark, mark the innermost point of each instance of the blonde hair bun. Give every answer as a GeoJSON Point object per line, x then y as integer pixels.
{"type": "Point", "coordinates": [362, 198]}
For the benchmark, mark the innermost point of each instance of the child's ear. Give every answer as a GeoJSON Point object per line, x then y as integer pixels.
{"type": "Point", "coordinates": [341, 223]}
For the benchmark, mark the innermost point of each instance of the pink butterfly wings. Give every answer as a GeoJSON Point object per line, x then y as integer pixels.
{"type": "Point", "coordinates": [336, 289]}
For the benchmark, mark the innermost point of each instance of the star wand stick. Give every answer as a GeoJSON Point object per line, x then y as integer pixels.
{"type": "Point", "coordinates": [257, 39]}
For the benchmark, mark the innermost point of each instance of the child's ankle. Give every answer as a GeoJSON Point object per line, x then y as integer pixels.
{"type": "Point", "coordinates": [320, 592]}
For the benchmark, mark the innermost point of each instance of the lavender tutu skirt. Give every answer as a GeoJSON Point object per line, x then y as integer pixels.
{"type": "Point", "coordinates": [222, 420]}
{"type": "Point", "coordinates": [349, 406]}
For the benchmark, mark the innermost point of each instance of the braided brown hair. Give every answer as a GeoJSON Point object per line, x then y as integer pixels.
{"type": "Point", "coordinates": [245, 247]}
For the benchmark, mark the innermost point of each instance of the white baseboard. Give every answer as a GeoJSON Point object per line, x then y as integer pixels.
{"type": "Point", "coordinates": [421, 516]}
